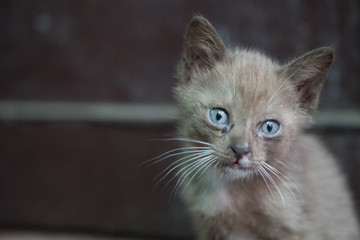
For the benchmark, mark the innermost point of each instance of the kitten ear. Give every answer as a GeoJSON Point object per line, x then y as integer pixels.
{"type": "Point", "coordinates": [202, 48]}
{"type": "Point", "coordinates": [308, 74]}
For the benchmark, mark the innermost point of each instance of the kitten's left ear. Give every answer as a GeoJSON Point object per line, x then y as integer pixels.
{"type": "Point", "coordinates": [308, 74]}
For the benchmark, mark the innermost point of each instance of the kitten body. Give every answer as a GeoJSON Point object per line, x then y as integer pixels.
{"type": "Point", "coordinates": [249, 172]}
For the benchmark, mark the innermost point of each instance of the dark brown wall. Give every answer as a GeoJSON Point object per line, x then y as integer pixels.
{"type": "Point", "coordinates": [82, 176]}
{"type": "Point", "coordinates": [126, 50]}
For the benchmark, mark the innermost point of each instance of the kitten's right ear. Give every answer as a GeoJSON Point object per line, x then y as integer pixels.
{"type": "Point", "coordinates": [202, 48]}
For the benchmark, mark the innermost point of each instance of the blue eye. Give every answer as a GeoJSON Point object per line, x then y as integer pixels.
{"type": "Point", "coordinates": [270, 127]}
{"type": "Point", "coordinates": [218, 116]}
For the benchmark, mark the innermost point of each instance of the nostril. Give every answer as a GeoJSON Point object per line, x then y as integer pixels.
{"type": "Point", "coordinates": [240, 149]}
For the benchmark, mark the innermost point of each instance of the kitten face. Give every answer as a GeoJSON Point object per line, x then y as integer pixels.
{"type": "Point", "coordinates": [241, 109]}
{"type": "Point", "coordinates": [236, 108]}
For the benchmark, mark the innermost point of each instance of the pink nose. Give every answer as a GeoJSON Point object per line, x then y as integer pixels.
{"type": "Point", "coordinates": [240, 150]}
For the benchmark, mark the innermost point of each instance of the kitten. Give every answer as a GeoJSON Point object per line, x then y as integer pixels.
{"type": "Point", "coordinates": [246, 170]}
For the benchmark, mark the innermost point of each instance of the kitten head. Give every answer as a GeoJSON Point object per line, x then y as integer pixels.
{"type": "Point", "coordinates": [243, 107]}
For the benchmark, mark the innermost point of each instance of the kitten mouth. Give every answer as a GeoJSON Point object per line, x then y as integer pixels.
{"type": "Point", "coordinates": [238, 169]}
{"type": "Point", "coordinates": [237, 165]}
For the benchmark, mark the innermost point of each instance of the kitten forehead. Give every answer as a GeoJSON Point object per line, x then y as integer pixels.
{"type": "Point", "coordinates": [251, 69]}
{"type": "Point", "coordinates": [248, 61]}
{"type": "Point", "coordinates": [244, 77]}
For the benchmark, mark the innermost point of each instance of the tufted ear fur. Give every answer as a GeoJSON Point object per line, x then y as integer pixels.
{"type": "Point", "coordinates": [202, 48]}
{"type": "Point", "coordinates": [308, 74]}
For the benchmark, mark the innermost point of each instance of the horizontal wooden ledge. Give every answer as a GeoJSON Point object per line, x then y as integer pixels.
{"type": "Point", "coordinates": [134, 113]}
{"type": "Point", "coordinates": [87, 112]}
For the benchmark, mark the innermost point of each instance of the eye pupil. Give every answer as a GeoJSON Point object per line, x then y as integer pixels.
{"type": "Point", "coordinates": [218, 116]}
{"type": "Point", "coordinates": [269, 126]}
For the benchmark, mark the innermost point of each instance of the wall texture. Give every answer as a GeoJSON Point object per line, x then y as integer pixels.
{"type": "Point", "coordinates": [82, 176]}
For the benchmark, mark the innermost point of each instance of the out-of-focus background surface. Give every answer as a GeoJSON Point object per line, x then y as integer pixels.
{"type": "Point", "coordinates": [86, 85]}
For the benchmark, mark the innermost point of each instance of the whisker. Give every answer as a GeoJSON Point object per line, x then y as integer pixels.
{"type": "Point", "coordinates": [252, 173]}
{"type": "Point", "coordinates": [276, 92]}
{"type": "Point", "coordinates": [195, 161]}
{"type": "Point", "coordinates": [192, 157]}
{"type": "Point", "coordinates": [188, 171]}
{"type": "Point", "coordinates": [283, 164]}
{"type": "Point", "coordinates": [227, 86]}
{"type": "Point", "coordinates": [217, 163]}
{"type": "Point", "coordinates": [281, 86]}
{"type": "Point", "coordinates": [168, 155]}
{"type": "Point", "coordinates": [274, 184]}
{"type": "Point", "coordinates": [206, 165]}
{"type": "Point", "coordinates": [262, 175]}
{"type": "Point", "coordinates": [270, 104]}
{"type": "Point", "coordinates": [187, 140]}
{"type": "Point", "coordinates": [183, 171]}
{"type": "Point", "coordinates": [277, 173]}
{"type": "Point", "coordinates": [210, 146]}
{"type": "Point", "coordinates": [234, 81]}
{"type": "Point", "coordinates": [286, 185]}
{"type": "Point", "coordinates": [186, 174]}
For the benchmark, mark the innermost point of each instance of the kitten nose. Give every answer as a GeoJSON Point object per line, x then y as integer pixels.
{"type": "Point", "coordinates": [240, 150]}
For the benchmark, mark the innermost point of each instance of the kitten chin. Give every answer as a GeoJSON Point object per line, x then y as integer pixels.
{"type": "Point", "coordinates": [246, 170]}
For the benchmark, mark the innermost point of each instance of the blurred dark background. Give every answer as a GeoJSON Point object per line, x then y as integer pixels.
{"type": "Point", "coordinates": [83, 175]}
